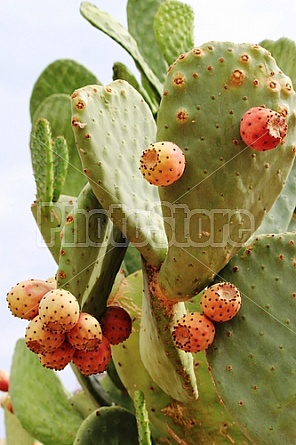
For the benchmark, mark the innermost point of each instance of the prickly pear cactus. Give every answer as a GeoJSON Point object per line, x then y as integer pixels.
{"type": "Point", "coordinates": [226, 189]}
{"type": "Point", "coordinates": [119, 240]}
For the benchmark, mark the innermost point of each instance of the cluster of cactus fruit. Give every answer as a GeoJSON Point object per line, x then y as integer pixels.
{"type": "Point", "coordinates": [60, 333]}
{"type": "Point", "coordinates": [168, 205]}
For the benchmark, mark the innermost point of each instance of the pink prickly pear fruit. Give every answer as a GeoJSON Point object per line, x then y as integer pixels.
{"type": "Point", "coordinates": [116, 324]}
{"type": "Point", "coordinates": [194, 332]}
{"type": "Point", "coordinates": [4, 381]}
{"type": "Point", "coordinates": [40, 340]}
{"type": "Point", "coordinates": [59, 358]}
{"type": "Point", "coordinates": [93, 362]}
{"type": "Point", "coordinates": [86, 334]}
{"type": "Point", "coordinates": [59, 310]}
{"type": "Point", "coordinates": [263, 129]}
{"type": "Point", "coordinates": [163, 163]}
{"type": "Point", "coordinates": [221, 301]}
{"type": "Point", "coordinates": [23, 298]}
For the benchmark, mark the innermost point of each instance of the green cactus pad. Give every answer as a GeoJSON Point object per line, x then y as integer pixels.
{"type": "Point", "coordinates": [42, 160]}
{"type": "Point", "coordinates": [171, 368]}
{"type": "Point", "coordinates": [108, 426]}
{"type": "Point", "coordinates": [284, 52]}
{"type": "Point", "coordinates": [253, 357]}
{"type": "Point", "coordinates": [112, 126]}
{"type": "Point", "coordinates": [84, 404]}
{"type": "Point", "coordinates": [278, 218]}
{"type": "Point", "coordinates": [57, 110]}
{"type": "Point", "coordinates": [15, 433]}
{"type": "Point", "coordinates": [107, 24]}
{"type": "Point", "coordinates": [140, 18]}
{"type": "Point", "coordinates": [40, 401]}
{"type": "Point", "coordinates": [50, 219]}
{"type": "Point", "coordinates": [142, 419]}
{"type": "Point", "coordinates": [292, 225]}
{"type": "Point", "coordinates": [121, 71]}
{"type": "Point", "coordinates": [204, 421]}
{"type": "Point", "coordinates": [88, 240]}
{"type": "Point", "coordinates": [61, 76]}
{"type": "Point", "coordinates": [60, 165]}
{"type": "Point", "coordinates": [227, 188]}
{"type": "Point", "coordinates": [174, 29]}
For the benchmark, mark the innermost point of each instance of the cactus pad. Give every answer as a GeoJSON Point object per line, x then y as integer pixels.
{"type": "Point", "coordinates": [112, 126]}
{"type": "Point", "coordinates": [107, 426]}
{"type": "Point", "coordinates": [226, 189]}
{"type": "Point", "coordinates": [253, 357]}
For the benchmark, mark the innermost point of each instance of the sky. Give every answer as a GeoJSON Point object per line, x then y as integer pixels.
{"type": "Point", "coordinates": [33, 34]}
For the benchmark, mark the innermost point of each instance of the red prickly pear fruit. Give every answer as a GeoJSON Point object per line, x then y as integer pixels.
{"type": "Point", "coordinates": [263, 129]}
{"type": "Point", "coordinates": [4, 381]}
{"type": "Point", "coordinates": [221, 301]}
{"type": "Point", "coordinates": [40, 340]}
{"type": "Point", "coordinates": [93, 362]}
{"type": "Point", "coordinates": [59, 358]}
{"type": "Point", "coordinates": [86, 334]}
{"type": "Point", "coordinates": [116, 324]}
{"type": "Point", "coordinates": [194, 332]}
{"type": "Point", "coordinates": [163, 163]}
{"type": "Point", "coordinates": [23, 298]}
{"type": "Point", "coordinates": [59, 310]}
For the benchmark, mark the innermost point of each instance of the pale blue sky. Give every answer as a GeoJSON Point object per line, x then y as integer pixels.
{"type": "Point", "coordinates": [34, 33]}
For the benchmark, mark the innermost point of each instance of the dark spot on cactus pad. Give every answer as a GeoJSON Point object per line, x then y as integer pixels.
{"type": "Point", "coordinates": [256, 82]}
{"type": "Point", "coordinates": [62, 274]}
{"type": "Point", "coordinates": [244, 58]}
{"type": "Point", "coordinates": [198, 52]}
{"type": "Point", "coordinates": [221, 59]}
{"type": "Point", "coordinates": [69, 219]}
{"type": "Point", "coordinates": [195, 75]}
{"type": "Point", "coordinates": [241, 403]}
{"type": "Point", "coordinates": [76, 122]}
{"type": "Point", "coordinates": [179, 79]}
{"type": "Point", "coordinates": [210, 68]}
{"type": "Point", "coordinates": [80, 104]}
{"type": "Point", "coordinates": [237, 78]}
{"type": "Point", "coordinates": [228, 368]}
{"type": "Point", "coordinates": [182, 116]}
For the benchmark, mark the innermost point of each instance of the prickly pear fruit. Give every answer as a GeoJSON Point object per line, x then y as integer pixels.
{"type": "Point", "coordinates": [221, 301]}
{"type": "Point", "coordinates": [86, 334]}
{"type": "Point", "coordinates": [162, 163]}
{"type": "Point", "coordinates": [59, 310]}
{"type": "Point", "coordinates": [194, 332]}
{"type": "Point", "coordinates": [116, 324]}
{"type": "Point", "coordinates": [59, 358]}
{"type": "Point", "coordinates": [4, 381]}
{"type": "Point", "coordinates": [263, 129]}
{"type": "Point", "coordinates": [23, 298]}
{"type": "Point", "coordinates": [40, 340]}
{"type": "Point", "coordinates": [93, 362]}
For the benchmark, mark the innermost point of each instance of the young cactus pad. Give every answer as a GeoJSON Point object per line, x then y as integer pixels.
{"type": "Point", "coordinates": [226, 189]}
{"type": "Point", "coordinates": [112, 127]}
